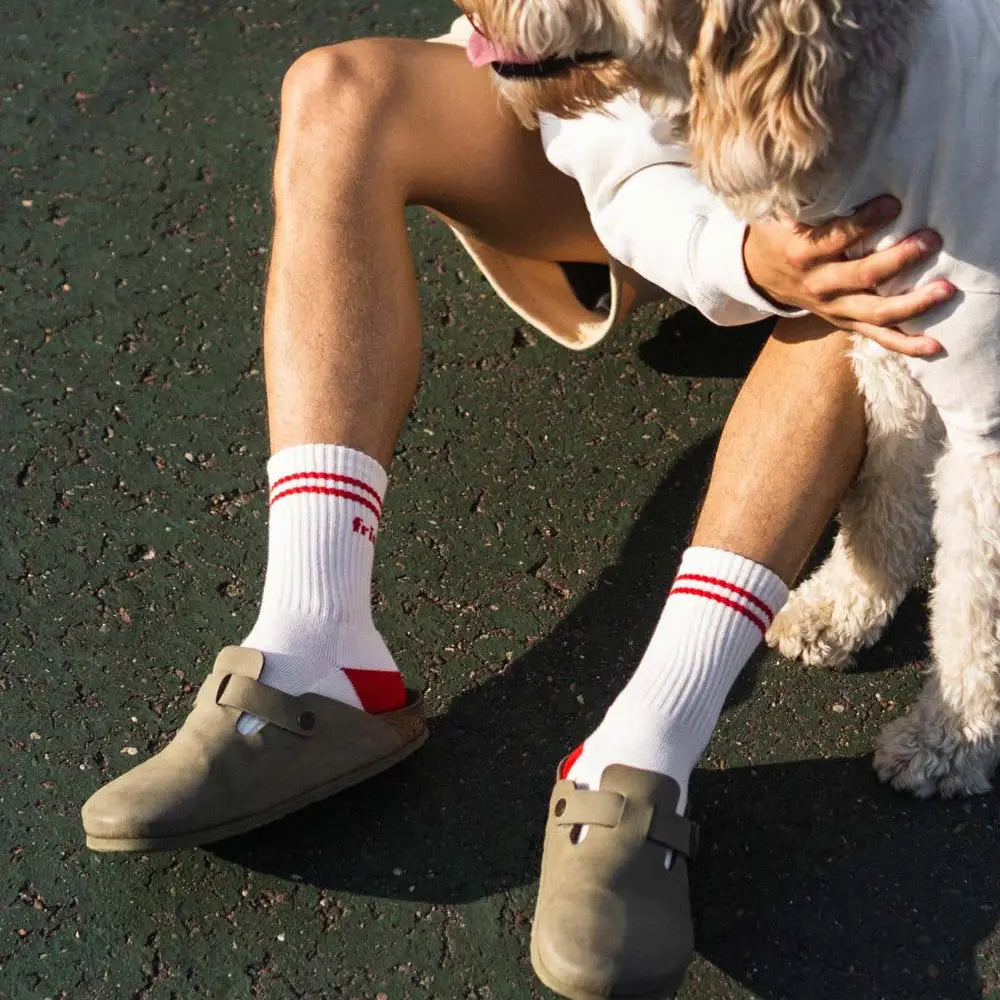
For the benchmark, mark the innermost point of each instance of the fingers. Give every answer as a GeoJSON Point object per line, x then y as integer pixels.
{"type": "Point", "coordinates": [815, 274]}
{"type": "Point", "coordinates": [902, 343]}
{"type": "Point", "coordinates": [836, 237]}
{"type": "Point", "coordinates": [886, 310]}
{"type": "Point", "coordinates": [838, 280]}
{"type": "Point", "coordinates": [877, 318]}
{"type": "Point", "coordinates": [877, 268]}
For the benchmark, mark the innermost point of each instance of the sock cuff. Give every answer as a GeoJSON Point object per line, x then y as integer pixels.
{"type": "Point", "coordinates": [304, 465]}
{"type": "Point", "coordinates": [727, 571]}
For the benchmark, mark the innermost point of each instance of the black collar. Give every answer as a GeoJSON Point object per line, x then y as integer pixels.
{"type": "Point", "coordinates": [546, 67]}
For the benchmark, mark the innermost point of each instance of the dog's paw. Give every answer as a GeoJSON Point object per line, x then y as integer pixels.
{"type": "Point", "coordinates": [806, 630]}
{"type": "Point", "coordinates": [826, 630]}
{"type": "Point", "coordinates": [921, 754]}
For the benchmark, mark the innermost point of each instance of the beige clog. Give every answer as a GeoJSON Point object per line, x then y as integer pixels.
{"type": "Point", "coordinates": [213, 782]}
{"type": "Point", "coordinates": [611, 920]}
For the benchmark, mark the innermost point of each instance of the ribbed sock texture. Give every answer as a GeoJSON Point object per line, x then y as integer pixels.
{"type": "Point", "coordinates": [716, 614]}
{"type": "Point", "coordinates": [315, 623]}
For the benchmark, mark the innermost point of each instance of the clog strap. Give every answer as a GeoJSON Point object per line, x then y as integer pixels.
{"type": "Point", "coordinates": [676, 832]}
{"type": "Point", "coordinates": [583, 807]}
{"type": "Point", "coordinates": [267, 703]}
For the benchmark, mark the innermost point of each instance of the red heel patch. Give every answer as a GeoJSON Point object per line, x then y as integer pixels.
{"type": "Point", "coordinates": [567, 764]}
{"type": "Point", "coordinates": [378, 690]}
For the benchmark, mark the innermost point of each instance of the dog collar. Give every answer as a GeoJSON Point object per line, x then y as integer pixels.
{"type": "Point", "coordinates": [546, 67]}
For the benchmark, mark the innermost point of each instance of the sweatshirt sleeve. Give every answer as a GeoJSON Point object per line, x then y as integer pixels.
{"type": "Point", "coordinates": [666, 226]}
{"type": "Point", "coordinates": [651, 213]}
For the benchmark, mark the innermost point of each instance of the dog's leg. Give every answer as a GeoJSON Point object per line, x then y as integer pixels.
{"type": "Point", "coordinates": [949, 743]}
{"type": "Point", "coordinates": [885, 524]}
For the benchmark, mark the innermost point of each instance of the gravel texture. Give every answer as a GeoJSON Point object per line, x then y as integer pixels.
{"type": "Point", "coordinates": [538, 504]}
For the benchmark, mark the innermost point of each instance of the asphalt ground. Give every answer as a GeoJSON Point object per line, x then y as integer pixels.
{"type": "Point", "coordinates": [539, 502]}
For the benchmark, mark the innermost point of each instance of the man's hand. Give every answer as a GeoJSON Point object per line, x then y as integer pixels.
{"type": "Point", "coordinates": [806, 267]}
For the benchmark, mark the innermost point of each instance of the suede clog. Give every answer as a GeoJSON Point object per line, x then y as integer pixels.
{"type": "Point", "coordinates": [212, 782]}
{"type": "Point", "coordinates": [611, 920]}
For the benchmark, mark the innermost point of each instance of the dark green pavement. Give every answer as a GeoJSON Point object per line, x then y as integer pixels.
{"type": "Point", "coordinates": [539, 502]}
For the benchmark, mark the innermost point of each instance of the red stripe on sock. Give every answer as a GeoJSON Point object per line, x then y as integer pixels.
{"type": "Point", "coordinates": [331, 477]}
{"type": "Point", "coordinates": [377, 690]}
{"type": "Point", "coordinates": [567, 764]}
{"type": "Point", "coordinates": [746, 612]}
{"type": "Point", "coordinates": [328, 491]}
{"type": "Point", "coordinates": [746, 594]}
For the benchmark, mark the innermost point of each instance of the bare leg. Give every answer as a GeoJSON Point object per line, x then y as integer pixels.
{"type": "Point", "coordinates": [368, 128]}
{"type": "Point", "coordinates": [885, 523]}
{"type": "Point", "coordinates": [791, 448]}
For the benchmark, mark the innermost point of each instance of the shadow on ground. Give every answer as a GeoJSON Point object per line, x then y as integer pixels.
{"type": "Point", "coordinates": [813, 880]}
{"type": "Point", "coordinates": [817, 883]}
{"type": "Point", "coordinates": [687, 344]}
{"type": "Point", "coordinates": [464, 818]}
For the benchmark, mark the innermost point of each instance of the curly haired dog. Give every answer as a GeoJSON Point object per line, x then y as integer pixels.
{"type": "Point", "coordinates": [809, 108]}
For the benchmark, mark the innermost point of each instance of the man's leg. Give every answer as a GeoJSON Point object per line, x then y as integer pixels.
{"type": "Point", "coordinates": [790, 449]}
{"type": "Point", "coordinates": [610, 921]}
{"type": "Point", "coordinates": [367, 129]}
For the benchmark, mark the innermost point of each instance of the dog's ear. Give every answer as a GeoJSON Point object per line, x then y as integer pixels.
{"type": "Point", "coordinates": [763, 75]}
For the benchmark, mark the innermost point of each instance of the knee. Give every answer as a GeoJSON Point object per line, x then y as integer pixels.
{"type": "Point", "coordinates": [347, 87]}
{"type": "Point", "coordinates": [347, 91]}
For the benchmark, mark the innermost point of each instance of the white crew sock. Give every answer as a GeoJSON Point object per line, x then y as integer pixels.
{"type": "Point", "coordinates": [716, 614]}
{"type": "Point", "coordinates": [315, 625]}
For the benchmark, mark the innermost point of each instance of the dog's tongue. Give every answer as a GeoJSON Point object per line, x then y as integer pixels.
{"type": "Point", "coordinates": [482, 52]}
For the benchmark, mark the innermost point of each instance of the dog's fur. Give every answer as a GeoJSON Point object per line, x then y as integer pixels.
{"type": "Point", "coordinates": [566, 27]}
{"type": "Point", "coordinates": [768, 92]}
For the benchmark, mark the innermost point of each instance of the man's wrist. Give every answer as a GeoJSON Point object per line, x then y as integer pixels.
{"type": "Point", "coordinates": [776, 304]}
